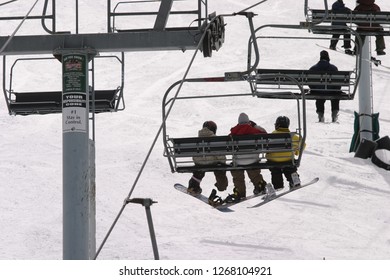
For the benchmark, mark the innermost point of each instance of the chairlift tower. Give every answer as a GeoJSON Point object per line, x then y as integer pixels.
{"type": "Point", "coordinates": [77, 235]}
{"type": "Point", "coordinates": [79, 100]}
{"type": "Point", "coordinates": [365, 94]}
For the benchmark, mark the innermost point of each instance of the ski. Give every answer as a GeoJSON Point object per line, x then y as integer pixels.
{"type": "Point", "coordinates": [267, 199]}
{"type": "Point", "coordinates": [373, 59]}
{"type": "Point", "coordinates": [339, 51]}
{"type": "Point", "coordinates": [376, 61]}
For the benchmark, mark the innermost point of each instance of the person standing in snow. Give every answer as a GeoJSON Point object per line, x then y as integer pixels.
{"type": "Point", "coordinates": [246, 127]}
{"type": "Point", "coordinates": [209, 129]}
{"type": "Point", "coordinates": [339, 6]}
{"type": "Point", "coordinates": [325, 65]}
{"type": "Point", "coordinates": [282, 124]}
{"type": "Point", "coordinates": [370, 6]}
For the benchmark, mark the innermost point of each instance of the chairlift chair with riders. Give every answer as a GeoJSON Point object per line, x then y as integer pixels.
{"type": "Point", "coordinates": [319, 20]}
{"type": "Point", "coordinates": [359, 23]}
{"type": "Point", "coordinates": [334, 85]}
{"type": "Point", "coordinates": [181, 151]}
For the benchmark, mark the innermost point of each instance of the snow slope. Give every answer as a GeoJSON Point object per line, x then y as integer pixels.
{"type": "Point", "coordinates": [344, 216]}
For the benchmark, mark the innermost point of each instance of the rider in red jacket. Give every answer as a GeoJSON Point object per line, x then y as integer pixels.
{"type": "Point", "coordinates": [246, 127]}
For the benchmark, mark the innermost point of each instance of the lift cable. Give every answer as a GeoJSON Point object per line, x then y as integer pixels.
{"type": "Point", "coordinates": [254, 5]}
{"type": "Point", "coordinates": [17, 28]}
{"type": "Point", "coordinates": [8, 2]}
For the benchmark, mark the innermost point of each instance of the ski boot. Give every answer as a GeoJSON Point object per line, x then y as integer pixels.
{"type": "Point", "coordinates": [321, 117]}
{"type": "Point", "coordinates": [260, 188]}
{"type": "Point", "coordinates": [233, 198]}
{"type": "Point", "coordinates": [194, 187]}
{"type": "Point", "coordinates": [335, 115]}
{"type": "Point", "coordinates": [296, 182]}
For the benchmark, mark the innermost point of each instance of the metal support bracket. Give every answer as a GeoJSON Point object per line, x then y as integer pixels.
{"type": "Point", "coordinates": [147, 202]}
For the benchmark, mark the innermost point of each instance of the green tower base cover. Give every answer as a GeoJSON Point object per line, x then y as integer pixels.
{"type": "Point", "coordinates": [356, 136]}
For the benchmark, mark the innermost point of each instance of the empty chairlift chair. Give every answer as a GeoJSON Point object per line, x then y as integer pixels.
{"type": "Point", "coordinates": [48, 102]}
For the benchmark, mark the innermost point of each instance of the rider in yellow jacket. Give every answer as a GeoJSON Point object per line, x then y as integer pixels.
{"type": "Point", "coordinates": [282, 124]}
{"type": "Point", "coordinates": [285, 156]}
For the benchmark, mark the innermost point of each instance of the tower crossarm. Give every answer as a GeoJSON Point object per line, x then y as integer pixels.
{"type": "Point", "coordinates": [147, 40]}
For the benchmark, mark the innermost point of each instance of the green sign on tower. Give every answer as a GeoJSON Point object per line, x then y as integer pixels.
{"type": "Point", "coordinates": [74, 103]}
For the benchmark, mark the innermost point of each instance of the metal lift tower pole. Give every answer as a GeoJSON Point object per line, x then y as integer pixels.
{"type": "Point", "coordinates": [76, 174]}
{"type": "Point", "coordinates": [365, 103]}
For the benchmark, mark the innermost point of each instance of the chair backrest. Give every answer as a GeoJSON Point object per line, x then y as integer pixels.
{"type": "Point", "coordinates": [181, 151]}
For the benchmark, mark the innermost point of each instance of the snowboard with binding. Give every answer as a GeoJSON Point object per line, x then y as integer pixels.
{"type": "Point", "coordinates": [199, 197]}
{"type": "Point", "coordinates": [267, 198]}
{"type": "Point", "coordinates": [221, 207]}
{"type": "Point", "coordinates": [227, 205]}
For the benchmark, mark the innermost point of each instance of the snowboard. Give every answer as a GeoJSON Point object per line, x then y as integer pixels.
{"type": "Point", "coordinates": [223, 207]}
{"type": "Point", "coordinates": [267, 199]}
{"type": "Point", "coordinates": [199, 197]}
{"type": "Point", "coordinates": [227, 205]}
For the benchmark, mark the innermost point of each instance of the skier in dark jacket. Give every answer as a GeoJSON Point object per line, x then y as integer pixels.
{"type": "Point", "coordinates": [339, 6]}
{"type": "Point", "coordinates": [370, 6]}
{"type": "Point", "coordinates": [325, 65]}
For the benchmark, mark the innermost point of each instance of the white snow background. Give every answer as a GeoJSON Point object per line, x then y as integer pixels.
{"type": "Point", "coordinates": [345, 216]}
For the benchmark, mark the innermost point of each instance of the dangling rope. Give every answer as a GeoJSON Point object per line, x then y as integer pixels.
{"type": "Point", "coordinates": [160, 129]}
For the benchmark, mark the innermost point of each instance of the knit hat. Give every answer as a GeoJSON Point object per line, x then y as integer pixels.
{"type": "Point", "coordinates": [243, 118]}
{"type": "Point", "coordinates": [211, 126]}
{"type": "Point", "coordinates": [324, 55]}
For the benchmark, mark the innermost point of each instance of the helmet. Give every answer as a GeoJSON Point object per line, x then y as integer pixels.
{"type": "Point", "coordinates": [282, 121]}
{"type": "Point", "coordinates": [211, 125]}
